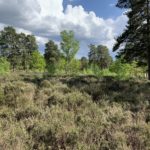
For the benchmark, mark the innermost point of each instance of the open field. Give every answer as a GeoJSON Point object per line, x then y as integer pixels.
{"type": "Point", "coordinates": [74, 113]}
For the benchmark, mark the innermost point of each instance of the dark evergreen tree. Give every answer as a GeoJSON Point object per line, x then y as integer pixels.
{"type": "Point", "coordinates": [17, 48]}
{"type": "Point", "coordinates": [92, 54]}
{"type": "Point", "coordinates": [84, 63]}
{"type": "Point", "coordinates": [27, 46]}
{"type": "Point", "coordinates": [51, 56]}
{"type": "Point", "coordinates": [9, 47]}
{"type": "Point", "coordinates": [135, 40]}
{"type": "Point", "coordinates": [103, 57]}
{"type": "Point", "coordinates": [99, 55]}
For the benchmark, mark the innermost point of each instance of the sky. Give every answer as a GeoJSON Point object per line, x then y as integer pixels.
{"type": "Point", "coordinates": [93, 21]}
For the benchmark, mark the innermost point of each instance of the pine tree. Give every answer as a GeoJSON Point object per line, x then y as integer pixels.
{"type": "Point", "coordinates": [92, 54]}
{"type": "Point", "coordinates": [136, 37]}
{"type": "Point", "coordinates": [17, 48]}
{"type": "Point", "coordinates": [84, 63]}
{"type": "Point", "coordinates": [9, 47]}
{"type": "Point", "coordinates": [51, 56]}
{"type": "Point", "coordinates": [27, 46]}
{"type": "Point", "coordinates": [99, 55]}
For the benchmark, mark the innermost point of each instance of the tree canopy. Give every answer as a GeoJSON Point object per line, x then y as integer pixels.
{"type": "Point", "coordinates": [69, 45]}
{"type": "Point", "coordinates": [134, 43]}
{"type": "Point", "coordinates": [51, 55]}
{"type": "Point", "coordinates": [99, 55]}
{"type": "Point", "coordinates": [17, 48]}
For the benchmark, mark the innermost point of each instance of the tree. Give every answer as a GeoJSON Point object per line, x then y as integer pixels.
{"type": "Point", "coordinates": [99, 55]}
{"type": "Point", "coordinates": [103, 56]}
{"type": "Point", "coordinates": [51, 56]}
{"type": "Point", "coordinates": [30, 46]}
{"type": "Point", "coordinates": [9, 47]}
{"type": "Point", "coordinates": [136, 37]}
{"type": "Point", "coordinates": [93, 54]}
{"type": "Point", "coordinates": [37, 62]}
{"type": "Point", "coordinates": [27, 45]}
{"type": "Point", "coordinates": [17, 48]}
{"type": "Point", "coordinates": [84, 63]}
{"type": "Point", "coordinates": [69, 45]}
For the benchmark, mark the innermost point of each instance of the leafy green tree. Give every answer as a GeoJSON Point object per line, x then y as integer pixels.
{"type": "Point", "coordinates": [4, 65]}
{"type": "Point", "coordinates": [37, 61]}
{"type": "Point", "coordinates": [69, 46]}
{"type": "Point", "coordinates": [51, 56]}
{"type": "Point", "coordinates": [136, 37]}
{"type": "Point", "coordinates": [99, 56]}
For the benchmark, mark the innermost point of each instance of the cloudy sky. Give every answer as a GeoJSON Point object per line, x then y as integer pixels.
{"type": "Point", "coordinates": [93, 21]}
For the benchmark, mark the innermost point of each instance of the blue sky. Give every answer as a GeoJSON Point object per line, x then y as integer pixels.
{"type": "Point", "coordinates": [102, 8]}
{"type": "Point", "coordinates": [93, 21]}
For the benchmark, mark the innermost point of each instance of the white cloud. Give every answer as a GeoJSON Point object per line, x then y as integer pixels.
{"type": "Point", "coordinates": [46, 19]}
{"type": "Point", "coordinates": [41, 40]}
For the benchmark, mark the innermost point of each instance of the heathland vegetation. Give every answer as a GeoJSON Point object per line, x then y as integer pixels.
{"type": "Point", "coordinates": [57, 101]}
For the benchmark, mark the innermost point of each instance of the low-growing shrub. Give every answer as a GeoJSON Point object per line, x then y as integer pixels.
{"type": "Point", "coordinates": [74, 113]}
{"type": "Point", "coordinates": [19, 94]}
{"type": "Point", "coordinates": [4, 66]}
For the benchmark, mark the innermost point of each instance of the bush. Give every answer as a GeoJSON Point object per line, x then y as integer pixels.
{"type": "Point", "coordinates": [19, 94]}
{"type": "Point", "coordinates": [70, 69]}
{"type": "Point", "coordinates": [4, 66]}
{"type": "Point", "coordinates": [106, 73]}
{"type": "Point", "coordinates": [37, 62]}
{"type": "Point", "coordinates": [83, 112]}
{"type": "Point", "coordinates": [125, 70]}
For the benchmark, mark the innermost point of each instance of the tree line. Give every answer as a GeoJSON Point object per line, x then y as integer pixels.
{"type": "Point", "coordinates": [21, 51]}
{"type": "Point", "coordinates": [133, 47]}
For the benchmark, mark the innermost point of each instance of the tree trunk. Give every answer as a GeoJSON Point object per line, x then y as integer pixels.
{"type": "Point", "coordinates": [149, 63]}
{"type": "Point", "coordinates": [148, 38]}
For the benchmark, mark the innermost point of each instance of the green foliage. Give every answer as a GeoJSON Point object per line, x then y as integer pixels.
{"type": "Point", "coordinates": [136, 37]}
{"type": "Point", "coordinates": [125, 70]}
{"type": "Point", "coordinates": [4, 65]}
{"type": "Point", "coordinates": [61, 65]}
{"type": "Point", "coordinates": [84, 63]}
{"type": "Point", "coordinates": [69, 46]}
{"type": "Point", "coordinates": [27, 45]}
{"type": "Point", "coordinates": [52, 56]}
{"type": "Point", "coordinates": [37, 62]}
{"type": "Point", "coordinates": [73, 68]}
{"type": "Point", "coordinates": [17, 48]}
{"type": "Point", "coordinates": [99, 55]}
{"type": "Point", "coordinates": [88, 71]}
{"type": "Point", "coordinates": [117, 69]}
{"type": "Point", "coordinates": [8, 46]}
{"type": "Point", "coordinates": [106, 73]}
